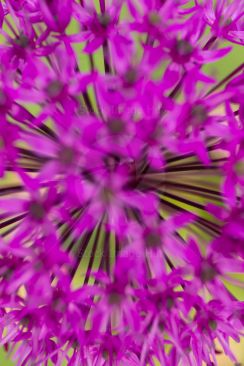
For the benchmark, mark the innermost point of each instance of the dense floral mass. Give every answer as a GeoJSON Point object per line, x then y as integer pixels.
{"type": "Point", "coordinates": [122, 180]}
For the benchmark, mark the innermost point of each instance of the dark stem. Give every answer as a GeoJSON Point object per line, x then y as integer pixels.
{"type": "Point", "coordinates": [102, 5]}
{"type": "Point", "coordinates": [177, 88]}
{"type": "Point", "coordinates": [11, 221]}
{"type": "Point", "coordinates": [30, 118]}
{"type": "Point", "coordinates": [209, 43]}
{"type": "Point", "coordinates": [106, 54]}
{"type": "Point", "coordinates": [95, 91]}
{"type": "Point", "coordinates": [85, 96]}
{"type": "Point", "coordinates": [227, 78]}
{"type": "Point", "coordinates": [106, 57]}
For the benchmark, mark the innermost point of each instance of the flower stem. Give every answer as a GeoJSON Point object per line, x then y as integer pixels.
{"type": "Point", "coordinates": [227, 78]}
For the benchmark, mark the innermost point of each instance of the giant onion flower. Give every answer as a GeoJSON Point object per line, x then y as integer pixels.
{"type": "Point", "coordinates": [122, 178]}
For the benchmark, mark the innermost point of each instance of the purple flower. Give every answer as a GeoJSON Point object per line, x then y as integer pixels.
{"type": "Point", "coordinates": [121, 198]}
{"type": "Point", "coordinates": [225, 19]}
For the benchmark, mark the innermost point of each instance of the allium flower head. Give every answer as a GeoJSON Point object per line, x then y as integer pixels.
{"type": "Point", "coordinates": [122, 181]}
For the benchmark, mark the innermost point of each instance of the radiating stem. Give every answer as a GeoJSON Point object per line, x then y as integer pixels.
{"type": "Point", "coordinates": [102, 5]}
{"type": "Point", "coordinates": [227, 78]}
{"type": "Point", "coordinates": [209, 43]}
{"type": "Point", "coordinates": [95, 90]}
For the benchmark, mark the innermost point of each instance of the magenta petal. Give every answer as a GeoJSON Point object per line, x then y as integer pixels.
{"type": "Point", "coordinates": [12, 205]}
{"type": "Point", "coordinates": [213, 55]}
{"type": "Point", "coordinates": [93, 45]}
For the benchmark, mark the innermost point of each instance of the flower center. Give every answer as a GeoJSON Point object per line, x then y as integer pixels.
{"type": "Point", "coordinates": [54, 88]}
{"type": "Point", "coordinates": [25, 320]}
{"type": "Point", "coordinates": [105, 354]}
{"type": "Point", "coordinates": [225, 22]}
{"type": "Point", "coordinates": [116, 126]}
{"type": "Point", "coordinates": [199, 113]}
{"type": "Point", "coordinates": [22, 41]}
{"type": "Point", "coordinates": [37, 211]}
{"type": "Point", "coordinates": [3, 99]}
{"type": "Point", "coordinates": [8, 273]}
{"type": "Point", "coordinates": [114, 298]}
{"type": "Point", "coordinates": [66, 155]}
{"type": "Point", "coordinates": [131, 76]}
{"type": "Point", "coordinates": [111, 162]}
{"type": "Point", "coordinates": [75, 344]}
{"type": "Point", "coordinates": [58, 304]}
{"type": "Point", "coordinates": [107, 195]}
{"type": "Point", "coordinates": [104, 19]}
{"type": "Point", "coordinates": [161, 325]}
{"type": "Point", "coordinates": [208, 273]}
{"type": "Point", "coordinates": [169, 302]}
{"type": "Point", "coordinates": [152, 239]}
{"type": "Point", "coordinates": [154, 18]}
{"type": "Point", "coordinates": [184, 48]}
{"type": "Point", "coordinates": [212, 324]}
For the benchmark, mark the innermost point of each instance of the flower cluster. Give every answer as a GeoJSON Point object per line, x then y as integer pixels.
{"type": "Point", "coordinates": [122, 181]}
